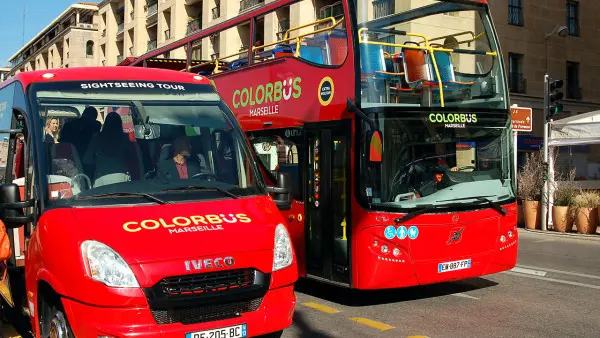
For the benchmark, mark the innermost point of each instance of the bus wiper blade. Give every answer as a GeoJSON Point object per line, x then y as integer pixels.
{"type": "Point", "coordinates": [495, 205]}
{"type": "Point", "coordinates": [199, 187]}
{"type": "Point", "coordinates": [423, 209]}
{"type": "Point", "coordinates": [126, 194]}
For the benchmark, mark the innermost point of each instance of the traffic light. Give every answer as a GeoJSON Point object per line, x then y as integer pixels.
{"type": "Point", "coordinates": [554, 97]}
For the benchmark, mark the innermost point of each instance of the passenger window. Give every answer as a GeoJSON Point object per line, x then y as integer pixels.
{"type": "Point", "coordinates": [280, 150]}
{"type": "Point", "coordinates": [6, 100]}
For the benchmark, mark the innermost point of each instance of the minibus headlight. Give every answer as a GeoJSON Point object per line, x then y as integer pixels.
{"type": "Point", "coordinates": [282, 253]}
{"type": "Point", "coordinates": [106, 266]}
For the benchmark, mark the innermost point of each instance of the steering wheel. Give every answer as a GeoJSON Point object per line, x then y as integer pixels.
{"type": "Point", "coordinates": [75, 179]}
{"type": "Point", "coordinates": [198, 175]}
{"type": "Point", "coordinates": [467, 167]}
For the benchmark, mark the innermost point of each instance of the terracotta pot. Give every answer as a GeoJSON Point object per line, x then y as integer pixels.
{"type": "Point", "coordinates": [533, 214]}
{"type": "Point", "coordinates": [562, 219]}
{"type": "Point", "coordinates": [587, 220]}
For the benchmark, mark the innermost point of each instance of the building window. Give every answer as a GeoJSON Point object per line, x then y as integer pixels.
{"type": "Point", "coordinates": [515, 12]}
{"type": "Point", "coordinates": [89, 49]}
{"type": "Point", "coordinates": [573, 89]}
{"type": "Point", "coordinates": [516, 81]}
{"type": "Point", "coordinates": [573, 17]}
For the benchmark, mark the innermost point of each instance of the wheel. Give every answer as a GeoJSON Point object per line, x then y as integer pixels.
{"type": "Point", "coordinates": [277, 334]}
{"type": "Point", "coordinates": [59, 325]}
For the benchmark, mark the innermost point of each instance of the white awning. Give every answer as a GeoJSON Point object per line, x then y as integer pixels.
{"type": "Point", "coordinates": [575, 130]}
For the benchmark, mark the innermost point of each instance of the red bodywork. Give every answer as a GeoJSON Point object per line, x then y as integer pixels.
{"type": "Point", "coordinates": [54, 258]}
{"type": "Point", "coordinates": [369, 268]}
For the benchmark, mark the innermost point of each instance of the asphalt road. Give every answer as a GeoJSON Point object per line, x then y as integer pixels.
{"type": "Point", "coordinates": [553, 292]}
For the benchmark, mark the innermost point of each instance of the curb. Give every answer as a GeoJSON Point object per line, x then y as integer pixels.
{"type": "Point", "coordinates": [585, 237]}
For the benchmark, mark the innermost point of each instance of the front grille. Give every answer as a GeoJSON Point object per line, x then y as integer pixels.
{"type": "Point", "coordinates": [214, 282]}
{"type": "Point", "coordinates": [199, 314]}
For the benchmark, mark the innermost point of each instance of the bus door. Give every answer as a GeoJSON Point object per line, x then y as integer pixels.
{"type": "Point", "coordinates": [326, 200]}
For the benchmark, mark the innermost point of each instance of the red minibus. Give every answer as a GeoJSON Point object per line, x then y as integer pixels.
{"type": "Point", "coordinates": [141, 209]}
{"type": "Point", "coordinates": [391, 120]}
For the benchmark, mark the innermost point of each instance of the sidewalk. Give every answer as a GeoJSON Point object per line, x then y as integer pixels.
{"type": "Point", "coordinates": [573, 235]}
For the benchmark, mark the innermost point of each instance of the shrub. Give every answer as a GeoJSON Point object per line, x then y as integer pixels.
{"type": "Point", "coordinates": [565, 189]}
{"type": "Point", "coordinates": [530, 179]}
{"type": "Point", "coordinates": [587, 199]}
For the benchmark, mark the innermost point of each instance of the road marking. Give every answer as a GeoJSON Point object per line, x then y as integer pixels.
{"type": "Point", "coordinates": [464, 295]}
{"type": "Point", "coordinates": [322, 308]}
{"type": "Point", "coordinates": [563, 272]}
{"type": "Point", "coordinates": [529, 271]}
{"type": "Point", "coordinates": [417, 337]}
{"type": "Point", "coordinates": [590, 286]}
{"type": "Point", "coordinates": [544, 241]}
{"type": "Point", "coordinates": [376, 325]}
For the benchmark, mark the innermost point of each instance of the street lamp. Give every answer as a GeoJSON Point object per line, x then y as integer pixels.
{"type": "Point", "coordinates": [561, 31]}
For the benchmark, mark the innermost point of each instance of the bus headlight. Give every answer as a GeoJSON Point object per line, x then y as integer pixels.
{"type": "Point", "coordinates": [282, 253]}
{"type": "Point", "coordinates": [106, 266]}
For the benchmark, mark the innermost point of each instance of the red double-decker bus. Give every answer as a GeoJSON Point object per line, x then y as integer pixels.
{"type": "Point", "coordinates": [391, 122]}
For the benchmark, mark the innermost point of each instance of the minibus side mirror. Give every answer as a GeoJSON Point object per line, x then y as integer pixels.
{"type": "Point", "coordinates": [11, 206]}
{"type": "Point", "coordinates": [282, 192]}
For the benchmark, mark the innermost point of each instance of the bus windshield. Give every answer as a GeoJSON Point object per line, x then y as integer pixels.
{"type": "Point", "coordinates": [120, 143]}
{"type": "Point", "coordinates": [429, 54]}
{"type": "Point", "coordinates": [426, 161]}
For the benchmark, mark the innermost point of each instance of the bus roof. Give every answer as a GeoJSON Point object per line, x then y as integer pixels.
{"type": "Point", "coordinates": [106, 73]}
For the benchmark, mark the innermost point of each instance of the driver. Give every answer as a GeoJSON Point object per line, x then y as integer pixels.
{"type": "Point", "coordinates": [181, 165]}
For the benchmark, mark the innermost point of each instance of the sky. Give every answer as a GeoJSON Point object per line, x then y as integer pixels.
{"type": "Point", "coordinates": [39, 13]}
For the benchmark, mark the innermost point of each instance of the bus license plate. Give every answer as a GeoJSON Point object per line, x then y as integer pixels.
{"type": "Point", "coordinates": [453, 266]}
{"type": "Point", "coordinates": [238, 331]}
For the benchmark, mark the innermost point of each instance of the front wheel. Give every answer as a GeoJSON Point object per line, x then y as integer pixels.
{"type": "Point", "coordinates": [59, 326]}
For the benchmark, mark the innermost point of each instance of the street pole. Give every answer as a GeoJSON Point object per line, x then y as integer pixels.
{"type": "Point", "coordinates": [545, 145]}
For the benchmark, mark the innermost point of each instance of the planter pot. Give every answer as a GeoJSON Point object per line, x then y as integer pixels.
{"type": "Point", "coordinates": [587, 220]}
{"type": "Point", "coordinates": [520, 217]}
{"type": "Point", "coordinates": [562, 219]}
{"type": "Point", "coordinates": [533, 214]}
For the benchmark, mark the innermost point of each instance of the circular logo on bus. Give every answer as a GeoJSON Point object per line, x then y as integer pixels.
{"type": "Point", "coordinates": [326, 91]}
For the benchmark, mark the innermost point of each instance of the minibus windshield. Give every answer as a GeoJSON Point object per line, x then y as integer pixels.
{"type": "Point", "coordinates": [141, 142]}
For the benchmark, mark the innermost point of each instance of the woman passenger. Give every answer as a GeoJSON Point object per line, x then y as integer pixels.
{"type": "Point", "coordinates": [51, 130]}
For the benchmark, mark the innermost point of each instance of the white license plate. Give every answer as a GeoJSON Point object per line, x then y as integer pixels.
{"type": "Point", "coordinates": [238, 331]}
{"type": "Point", "coordinates": [453, 266]}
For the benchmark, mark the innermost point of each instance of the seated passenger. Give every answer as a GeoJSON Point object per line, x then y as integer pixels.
{"type": "Point", "coordinates": [108, 152]}
{"type": "Point", "coordinates": [181, 165]}
{"type": "Point", "coordinates": [51, 130]}
{"type": "Point", "coordinates": [82, 130]}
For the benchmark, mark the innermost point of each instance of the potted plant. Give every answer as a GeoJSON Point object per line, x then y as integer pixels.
{"type": "Point", "coordinates": [587, 215]}
{"type": "Point", "coordinates": [565, 190]}
{"type": "Point", "coordinates": [530, 182]}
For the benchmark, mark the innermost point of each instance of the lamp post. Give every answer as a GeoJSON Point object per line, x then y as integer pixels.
{"type": "Point", "coordinates": [561, 31]}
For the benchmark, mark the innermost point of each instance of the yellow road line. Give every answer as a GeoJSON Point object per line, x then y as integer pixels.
{"type": "Point", "coordinates": [320, 307]}
{"type": "Point", "coordinates": [376, 325]}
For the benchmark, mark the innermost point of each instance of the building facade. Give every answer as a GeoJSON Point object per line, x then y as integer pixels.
{"type": "Point", "coordinates": [4, 72]}
{"type": "Point", "coordinates": [68, 41]}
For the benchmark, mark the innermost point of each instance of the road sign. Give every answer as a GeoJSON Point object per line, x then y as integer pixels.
{"type": "Point", "coordinates": [522, 119]}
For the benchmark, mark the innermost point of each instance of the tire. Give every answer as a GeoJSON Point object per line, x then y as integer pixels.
{"type": "Point", "coordinates": [59, 325]}
{"type": "Point", "coordinates": [277, 334]}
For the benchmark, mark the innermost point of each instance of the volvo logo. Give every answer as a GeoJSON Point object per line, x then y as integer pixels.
{"type": "Point", "coordinates": [209, 263]}
{"type": "Point", "coordinates": [455, 235]}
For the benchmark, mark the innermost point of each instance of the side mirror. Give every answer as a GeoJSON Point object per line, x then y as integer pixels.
{"type": "Point", "coordinates": [282, 192]}
{"type": "Point", "coordinates": [11, 206]}
{"type": "Point", "coordinates": [375, 149]}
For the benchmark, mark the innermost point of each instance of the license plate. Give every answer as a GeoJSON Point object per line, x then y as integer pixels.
{"type": "Point", "coordinates": [238, 331]}
{"type": "Point", "coordinates": [453, 266]}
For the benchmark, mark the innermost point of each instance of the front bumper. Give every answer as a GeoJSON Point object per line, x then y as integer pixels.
{"type": "Point", "coordinates": [274, 314]}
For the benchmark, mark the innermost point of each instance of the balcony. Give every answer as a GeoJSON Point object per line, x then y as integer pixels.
{"type": "Point", "coordinates": [249, 4]}
{"type": "Point", "coordinates": [335, 10]}
{"type": "Point", "coordinates": [151, 45]}
{"type": "Point", "coordinates": [131, 51]}
{"type": "Point", "coordinates": [120, 59]}
{"type": "Point", "coordinates": [383, 8]}
{"type": "Point", "coordinates": [194, 26]}
{"type": "Point", "coordinates": [167, 34]}
{"type": "Point", "coordinates": [121, 27]}
{"type": "Point", "coordinates": [517, 83]}
{"type": "Point", "coordinates": [284, 25]}
{"type": "Point", "coordinates": [214, 56]}
{"type": "Point", "coordinates": [216, 12]}
{"type": "Point", "coordinates": [152, 9]}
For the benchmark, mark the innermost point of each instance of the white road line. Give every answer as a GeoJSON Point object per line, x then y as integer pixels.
{"type": "Point", "coordinates": [544, 241]}
{"type": "Point", "coordinates": [529, 271]}
{"type": "Point", "coordinates": [464, 295]}
{"type": "Point", "coordinates": [590, 286]}
{"type": "Point", "coordinates": [562, 272]}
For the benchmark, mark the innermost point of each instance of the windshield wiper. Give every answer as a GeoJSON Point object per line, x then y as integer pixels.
{"type": "Point", "coordinates": [494, 205]}
{"type": "Point", "coordinates": [126, 194]}
{"type": "Point", "coordinates": [423, 209]}
{"type": "Point", "coordinates": [196, 187]}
